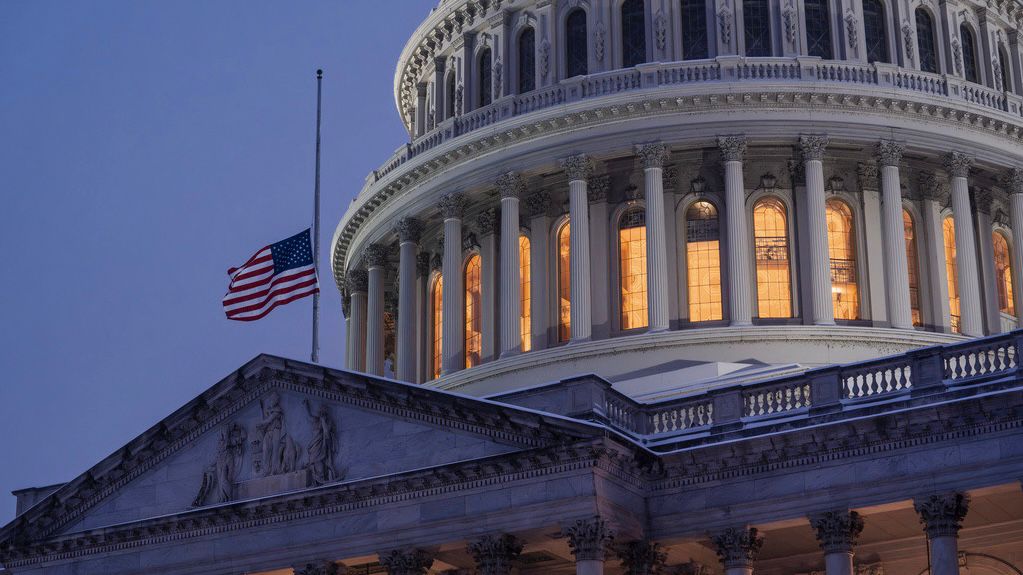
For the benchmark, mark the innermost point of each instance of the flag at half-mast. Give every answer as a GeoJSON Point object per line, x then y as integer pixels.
{"type": "Point", "coordinates": [278, 274]}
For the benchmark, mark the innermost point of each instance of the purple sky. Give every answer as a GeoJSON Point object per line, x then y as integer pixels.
{"type": "Point", "coordinates": [145, 147]}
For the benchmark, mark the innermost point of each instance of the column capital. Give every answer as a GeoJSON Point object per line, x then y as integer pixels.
{"type": "Point", "coordinates": [412, 562]}
{"type": "Point", "coordinates": [577, 167]}
{"type": "Point", "coordinates": [669, 179]}
{"type": "Point", "coordinates": [866, 174]}
{"type": "Point", "coordinates": [837, 531]}
{"type": "Point", "coordinates": [495, 555]}
{"type": "Point", "coordinates": [1014, 180]}
{"type": "Point", "coordinates": [409, 229]}
{"type": "Point", "coordinates": [652, 155]}
{"type": "Point", "coordinates": [376, 255]}
{"type": "Point", "coordinates": [596, 188]}
{"type": "Point", "coordinates": [590, 539]}
{"type": "Point", "coordinates": [813, 146]}
{"type": "Point", "coordinates": [733, 148]}
{"type": "Point", "coordinates": [942, 514]}
{"type": "Point", "coordinates": [642, 557]}
{"type": "Point", "coordinates": [738, 547]}
{"type": "Point", "coordinates": [958, 164]}
{"type": "Point", "coordinates": [452, 205]}
{"type": "Point", "coordinates": [889, 152]}
{"type": "Point", "coordinates": [538, 203]}
{"type": "Point", "coordinates": [510, 185]}
{"type": "Point", "coordinates": [486, 221]}
{"type": "Point", "coordinates": [319, 568]}
{"type": "Point", "coordinates": [931, 187]}
{"type": "Point", "coordinates": [357, 280]}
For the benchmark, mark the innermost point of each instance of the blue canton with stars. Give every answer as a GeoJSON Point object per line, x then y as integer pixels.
{"type": "Point", "coordinates": [294, 252]}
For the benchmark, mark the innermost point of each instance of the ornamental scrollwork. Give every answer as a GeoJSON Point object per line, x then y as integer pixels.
{"type": "Point", "coordinates": [577, 167]}
{"type": "Point", "coordinates": [597, 187]}
{"type": "Point", "coordinates": [409, 229]}
{"type": "Point", "coordinates": [732, 148]}
{"type": "Point", "coordinates": [738, 548]}
{"type": "Point", "coordinates": [376, 255]}
{"type": "Point", "coordinates": [958, 164]}
{"type": "Point", "coordinates": [545, 59]}
{"type": "Point", "coordinates": [852, 30]}
{"type": "Point", "coordinates": [813, 146]}
{"type": "Point", "coordinates": [590, 539]}
{"type": "Point", "coordinates": [909, 40]}
{"type": "Point", "coordinates": [889, 152]}
{"type": "Point", "coordinates": [652, 155]}
{"type": "Point", "coordinates": [957, 55]}
{"type": "Point", "coordinates": [660, 29]}
{"type": "Point", "coordinates": [725, 25]}
{"type": "Point", "coordinates": [837, 531]}
{"type": "Point", "coordinates": [1014, 180]}
{"type": "Point", "coordinates": [453, 205]}
{"type": "Point", "coordinates": [791, 17]}
{"type": "Point", "coordinates": [498, 70]}
{"type": "Point", "coordinates": [598, 41]}
{"type": "Point", "coordinates": [357, 281]}
{"type": "Point", "coordinates": [510, 185]}
{"type": "Point", "coordinates": [942, 515]}
{"type": "Point", "coordinates": [495, 555]}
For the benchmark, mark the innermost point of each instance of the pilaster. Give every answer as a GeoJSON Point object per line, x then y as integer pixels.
{"type": "Point", "coordinates": [578, 169]}
{"type": "Point", "coordinates": [737, 548]}
{"type": "Point", "coordinates": [600, 259]}
{"type": "Point", "coordinates": [376, 260]}
{"type": "Point", "coordinates": [453, 305]}
{"type": "Point", "coordinates": [538, 206]}
{"type": "Point", "coordinates": [652, 157]}
{"type": "Point", "coordinates": [510, 187]}
{"type": "Point", "coordinates": [958, 166]}
{"type": "Point", "coordinates": [740, 299]}
{"type": "Point", "coordinates": [896, 272]}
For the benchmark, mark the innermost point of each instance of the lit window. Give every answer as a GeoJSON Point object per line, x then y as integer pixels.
{"type": "Point", "coordinates": [633, 33]}
{"type": "Point", "coordinates": [911, 264]}
{"type": "Point", "coordinates": [527, 60]}
{"type": "Point", "coordinates": [969, 54]}
{"type": "Point", "coordinates": [756, 16]}
{"type": "Point", "coordinates": [925, 41]}
{"type": "Point", "coordinates": [438, 324]}
{"type": "Point", "coordinates": [576, 52]}
{"type": "Point", "coordinates": [703, 262]}
{"type": "Point", "coordinates": [694, 29]}
{"type": "Point", "coordinates": [951, 271]}
{"type": "Point", "coordinates": [771, 239]}
{"type": "Point", "coordinates": [818, 28]}
{"type": "Point", "coordinates": [485, 86]}
{"type": "Point", "coordinates": [845, 297]}
{"type": "Point", "coordinates": [524, 284]}
{"type": "Point", "coordinates": [875, 31]}
{"type": "Point", "coordinates": [1003, 274]}
{"type": "Point", "coordinates": [632, 269]}
{"type": "Point", "coordinates": [564, 284]}
{"type": "Point", "coordinates": [473, 313]}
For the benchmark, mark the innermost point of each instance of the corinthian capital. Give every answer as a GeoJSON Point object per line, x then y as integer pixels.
{"type": "Point", "coordinates": [596, 188]}
{"type": "Point", "coordinates": [889, 152]}
{"type": "Point", "coordinates": [357, 281]}
{"type": "Point", "coordinates": [837, 531]}
{"type": "Point", "coordinates": [376, 255]}
{"type": "Point", "coordinates": [738, 548]}
{"type": "Point", "coordinates": [413, 562]}
{"type": "Point", "coordinates": [577, 167]}
{"type": "Point", "coordinates": [495, 555]}
{"type": "Point", "coordinates": [642, 557]}
{"type": "Point", "coordinates": [452, 205]}
{"type": "Point", "coordinates": [733, 148]}
{"type": "Point", "coordinates": [958, 164]}
{"type": "Point", "coordinates": [652, 155]}
{"type": "Point", "coordinates": [538, 203]}
{"type": "Point", "coordinates": [813, 146]}
{"type": "Point", "coordinates": [409, 229]}
{"type": "Point", "coordinates": [1014, 180]}
{"type": "Point", "coordinates": [486, 221]}
{"type": "Point", "coordinates": [590, 539]}
{"type": "Point", "coordinates": [942, 515]}
{"type": "Point", "coordinates": [510, 185]}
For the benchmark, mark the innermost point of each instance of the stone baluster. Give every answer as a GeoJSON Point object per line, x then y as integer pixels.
{"type": "Point", "coordinates": [453, 307]}
{"type": "Point", "coordinates": [971, 322]}
{"type": "Point", "coordinates": [738, 548]}
{"type": "Point", "coordinates": [495, 555]}
{"type": "Point", "coordinates": [376, 260]}
{"type": "Point", "coordinates": [538, 204]}
{"type": "Point", "coordinates": [896, 271]}
{"type": "Point", "coordinates": [740, 307]}
{"type": "Point", "coordinates": [319, 568]}
{"type": "Point", "coordinates": [409, 229]}
{"type": "Point", "coordinates": [837, 532]}
{"type": "Point", "coordinates": [942, 516]}
{"type": "Point", "coordinates": [590, 541]}
{"type": "Point", "coordinates": [422, 309]}
{"type": "Point", "coordinates": [1016, 221]}
{"type": "Point", "coordinates": [510, 187]}
{"type": "Point", "coordinates": [653, 156]}
{"type": "Point", "coordinates": [822, 309]}
{"type": "Point", "coordinates": [642, 557]}
{"type": "Point", "coordinates": [485, 224]}
{"type": "Point", "coordinates": [578, 169]}
{"type": "Point", "coordinates": [358, 284]}
{"type": "Point", "coordinates": [412, 562]}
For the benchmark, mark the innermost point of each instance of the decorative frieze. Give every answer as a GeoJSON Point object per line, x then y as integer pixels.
{"type": "Point", "coordinates": [495, 555]}
{"type": "Point", "coordinates": [577, 167]}
{"type": "Point", "coordinates": [733, 148]}
{"type": "Point", "coordinates": [452, 205]}
{"type": "Point", "coordinates": [376, 255]}
{"type": "Point", "coordinates": [642, 557]}
{"type": "Point", "coordinates": [510, 185]}
{"type": "Point", "coordinates": [837, 531]}
{"type": "Point", "coordinates": [652, 155]}
{"type": "Point", "coordinates": [942, 514]}
{"type": "Point", "coordinates": [357, 280]}
{"type": "Point", "coordinates": [813, 146]}
{"type": "Point", "coordinates": [538, 203]}
{"type": "Point", "coordinates": [958, 164]}
{"type": "Point", "coordinates": [411, 562]}
{"type": "Point", "coordinates": [738, 547]}
{"type": "Point", "coordinates": [409, 229]}
{"type": "Point", "coordinates": [590, 539]}
{"type": "Point", "coordinates": [597, 187]}
{"type": "Point", "coordinates": [889, 152]}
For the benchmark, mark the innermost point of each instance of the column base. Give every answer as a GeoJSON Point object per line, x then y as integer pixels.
{"type": "Point", "coordinates": [579, 340]}
{"type": "Point", "coordinates": [824, 322]}
{"type": "Point", "coordinates": [740, 324]}
{"type": "Point", "coordinates": [659, 330]}
{"type": "Point", "coordinates": [510, 353]}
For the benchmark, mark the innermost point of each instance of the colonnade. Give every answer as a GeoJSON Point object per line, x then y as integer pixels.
{"type": "Point", "coordinates": [366, 288]}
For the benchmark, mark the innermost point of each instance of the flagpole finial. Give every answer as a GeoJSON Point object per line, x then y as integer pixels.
{"type": "Point", "coordinates": [319, 73]}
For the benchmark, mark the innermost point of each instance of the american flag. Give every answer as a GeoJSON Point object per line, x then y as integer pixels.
{"type": "Point", "coordinates": [278, 274]}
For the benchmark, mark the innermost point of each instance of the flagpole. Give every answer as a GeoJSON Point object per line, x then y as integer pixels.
{"type": "Point", "coordinates": [316, 226]}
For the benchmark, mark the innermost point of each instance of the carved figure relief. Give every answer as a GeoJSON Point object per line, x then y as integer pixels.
{"type": "Point", "coordinates": [957, 55]}
{"type": "Point", "coordinates": [851, 29]}
{"type": "Point", "coordinates": [498, 67]}
{"type": "Point", "coordinates": [791, 23]}
{"type": "Point", "coordinates": [598, 41]}
{"type": "Point", "coordinates": [323, 445]}
{"type": "Point", "coordinates": [458, 100]}
{"type": "Point", "coordinates": [996, 63]}
{"type": "Point", "coordinates": [219, 478]}
{"type": "Point", "coordinates": [660, 29]}
{"type": "Point", "coordinates": [545, 59]}
{"type": "Point", "coordinates": [725, 24]}
{"type": "Point", "coordinates": [908, 39]}
{"type": "Point", "coordinates": [274, 452]}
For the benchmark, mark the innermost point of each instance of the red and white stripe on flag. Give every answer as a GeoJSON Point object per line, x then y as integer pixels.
{"type": "Point", "coordinates": [277, 274]}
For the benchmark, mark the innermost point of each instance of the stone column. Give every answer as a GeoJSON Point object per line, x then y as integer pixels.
{"type": "Point", "coordinates": [590, 541]}
{"type": "Point", "coordinates": [837, 532]}
{"type": "Point", "coordinates": [485, 224]}
{"type": "Point", "coordinates": [495, 555]}
{"type": "Point", "coordinates": [412, 562]}
{"type": "Point", "coordinates": [510, 186]}
{"type": "Point", "coordinates": [740, 307]}
{"type": "Point", "coordinates": [653, 156]}
{"type": "Point", "coordinates": [600, 269]}
{"type": "Point", "coordinates": [822, 311]}
{"type": "Point", "coordinates": [538, 205]}
{"type": "Point", "coordinates": [896, 269]}
{"type": "Point", "coordinates": [984, 224]}
{"type": "Point", "coordinates": [319, 568]}
{"type": "Point", "coordinates": [422, 310]}
{"type": "Point", "coordinates": [376, 259]}
{"type": "Point", "coordinates": [942, 516]}
{"type": "Point", "coordinates": [578, 169]}
{"type": "Point", "coordinates": [738, 548]}
{"type": "Point", "coordinates": [453, 343]}
{"type": "Point", "coordinates": [971, 323]}
{"type": "Point", "coordinates": [357, 285]}
{"type": "Point", "coordinates": [642, 558]}
{"type": "Point", "coordinates": [409, 229]}
{"type": "Point", "coordinates": [873, 291]}
{"type": "Point", "coordinates": [439, 86]}
{"type": "Point", "coordinates": [933, 193]}
{"type": "Point", "coordinates": [1016, 221]}
{"type": "Point", "coordinates": [420, 109]}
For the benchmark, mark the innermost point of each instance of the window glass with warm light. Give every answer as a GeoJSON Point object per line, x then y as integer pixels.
{"type": "Point", "coordinates": [845, 297]}
{"type": "Point", "coordinates": [703, 262]}
{"type": "Point", "coordinates": [473, 313]}
{"type": "Point", "coordinates": [564, 284]}
{"type": "Point", "coordinates": [524, 298]}
{"type": "Point", "coordinates": [632, 269]}
{"type": "Point", "coordinates": [771, 242]}
{"type": "Point", "coordinates": [437, 299]}
{"type": "Point", "coordinates": [1003, 274]}
{"type": "Point", "coordinates": [911, 265]}
{"type": "Point", "coordinates": [951, 271]}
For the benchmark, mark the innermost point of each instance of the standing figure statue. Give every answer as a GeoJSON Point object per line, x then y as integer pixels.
{"type": "Point", "coordinates": [219, 478]}
{"type": "Point", "coordinates": [278, 450]}
{"type": "Point", "coordinates": [322, 449]}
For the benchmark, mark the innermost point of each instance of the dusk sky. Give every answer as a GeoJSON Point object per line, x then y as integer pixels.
{"type": "Point", "coordinates": [145, 148]}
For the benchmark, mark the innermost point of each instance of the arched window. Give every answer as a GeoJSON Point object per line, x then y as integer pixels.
{"type": "Point", "coordinates": [564, 284]}
{"type": "Point", "coordinates": [703, 262]}
{"type": "Point", "coordinates": [875, 31]}
{"type": "Point", "coordinates": [576, 52]}
{"type": "Point", "coordinates": [969, 54]}
{"type": "Point", "coordinates": [485, 87]}
{"type": "Point", "coordinates": [771, 241]}
{"type": "Point", "coordinates": [694, 29]}
{"type": "Point", "coordinates": [912, 267]}
{"type": "Point", "coordinates": [1003, 274]}
{"type": "Point", "coordinates": [756, 16]}
{"type": "Point", "coordinates": [818, 28]}
{"type": "Point", "coordinates": [1003, 65]}
{"type": "Point", "coordinates": [633, 33]}
{"type": "Point", "coordinates": [925, 41]}
{"type": "Point", "coordinates": [845, 297]}
{"type": "Point", "coordinates": [524, 298]}
{"type": "Point", "coordinates": [527, 60]}
{"type": "Point", "coordinates": [437, 301]}
{"type": "Point", "coordinates": [473, 313]}
{"type": "Point", "coordinates": [951, 271]}
{"type": "Point", "coordinates": [632, 268]}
